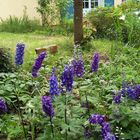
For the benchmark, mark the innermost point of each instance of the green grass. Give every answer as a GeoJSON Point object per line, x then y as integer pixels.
{"type": "Point", "coordinates": [112, 49]}
{"type": "Point", "coordinates": [32, 41]}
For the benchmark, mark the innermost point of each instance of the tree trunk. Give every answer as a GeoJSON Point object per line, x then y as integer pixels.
{"type": "Point", "coordinates": [78, 21]}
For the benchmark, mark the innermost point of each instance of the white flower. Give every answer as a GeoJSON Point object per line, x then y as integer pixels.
{"type": "Point", "coordinates": [122, 17]}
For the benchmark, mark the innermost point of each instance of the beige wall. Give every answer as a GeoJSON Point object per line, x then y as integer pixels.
{"type": "Point", "coordinates": [118, 2]}
{"type": "Point", "coordinates": [16, 7]}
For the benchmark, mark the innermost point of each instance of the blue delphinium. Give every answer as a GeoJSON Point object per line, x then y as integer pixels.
{"type": "Point", "coordinates": [105, 127]}
{"type": "Point", "coordinates": [109, 136]}
{"type": "Point", "coordinates": [106, 132]}
{"type": "Point", "coordinates": [95, 62]}
{"type": "Point", "coordinates": [133, 92]}
{"type": "Point", "coordinates": [38, 63]}
{"type": "Point", "coordinates": [78, 66]}
{"type": "Point", "coordinates": [53, 84]}
{"type": "Point", "coordinates": [19, 55]}
{"type": "Point", "coordinates": [3, 107]}
{"type": "Point", "coordinates": [96, 119]}
{"type": "Point", "coordinates": [47, 106]}
{"type": "Point", "coordinates": [117, 97]}
{"type": "Point", "coordinates": [67, 78]}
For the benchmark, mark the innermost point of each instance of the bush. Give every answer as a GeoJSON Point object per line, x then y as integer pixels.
{"type": "Point", "coordinates": [117, 23]}
{"type": "Point", "coordinates": [5, 61]}
{"type": "Point", "coordinates": [103, 21]}
{"type": "Point", "coordinates": [18, 25]}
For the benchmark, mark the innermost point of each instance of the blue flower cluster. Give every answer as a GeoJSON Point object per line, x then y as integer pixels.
{"type": "Point", "coordinates": [95, 62]}
{"type": "Point", "coordinates": [19, 54]}
{"type": "Point", "coordinates": [53, 84]}
{"type": "Point", "coordinates": [3, 107]}
{"type": "Point", "coordinates": [78, 66]}
{"type": "Point", "coordinates": [132, 92]}
{"type": "Point", "coordinates": [96, 119]}
{"type": "Point", "coordinates": [105, 127]}
{"type": "Point", "coordinates": [67, 78]}
{"type": "Point", "coordinates": [37, 64]}
{"type": "Point", "coordinates": [47, 106]}
{"type": "Point", "coordinates": [117, 97]}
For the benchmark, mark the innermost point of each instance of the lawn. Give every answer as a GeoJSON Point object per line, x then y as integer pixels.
{"type": "Point", "coordinates": [33, 41]}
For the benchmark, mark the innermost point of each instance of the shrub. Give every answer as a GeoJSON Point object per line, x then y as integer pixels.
{"type": "Point", "coordinates": [132, 24]}
{"type": "Point", "coordinates": [103, 21]}
{"type": "Point", "coordinates": [117, 23]}
{"type": "Point", "coordinates": [5, 61]}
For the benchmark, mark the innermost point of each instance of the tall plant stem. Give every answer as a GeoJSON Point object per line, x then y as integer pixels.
{"type": "Point", "coordinates": [87, 103]}
{"type": "Point", "coordinates": [66, 134]}
{"type": "Point", "coordinates": [19, 110]}
{"type": "Point", "coordinates": [21, 117]}
{"type": "Point", "coordinates": [52, 127]}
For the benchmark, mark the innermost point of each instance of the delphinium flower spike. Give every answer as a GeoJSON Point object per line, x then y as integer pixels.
{"type": "Point", "coordinates": [3, 107]}
{"type": "Point", "coordinates": [48, 109]}
{"type": "Point", "coordinates": [19, 54]}
{"type": "Point", "coordinates": [105, 127]}
{"type": "Point", "coordinates": [96, 119]}
{"type": "Point", "coordinates": [95, 62]}
{"type": "Point", "coordinates": [117, 97]}
{"type": "Point", "coordinates": [67, 78]}
{"type": "Point", "coordinates": [53, 84]}
{"type": "Point", "coordinates": [78, 66]}
{"type": "Point", "coordinates": [38, 63]}
{"type": "Point", "coordinates": [77, 62]}
{"type": "Point", "coordinates": [47, 106]}
{"type": "Point", "coordinates": [133, 92]}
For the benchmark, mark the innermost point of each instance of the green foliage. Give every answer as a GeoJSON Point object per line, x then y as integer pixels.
{"type": "Point", "coordinates": [6, 64]}
{"type": "Point", "coordinates": [62, 7]}
{"type": "Point", "coordinates": [18, 25]}
{"type": "Point", "coordinates": [120, 23]}
{"type": "Point", "coordinates": [124, 118]}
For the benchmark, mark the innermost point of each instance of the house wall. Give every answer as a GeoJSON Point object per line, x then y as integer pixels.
{"type": "Point", "coordinates": [117, 2]}
{"type": "Point", "coordinates": [16, 8]}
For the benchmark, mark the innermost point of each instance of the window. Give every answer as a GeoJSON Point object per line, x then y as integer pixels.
{"type": "Point", "coordinates": [90, 4]}
{"type": "Point", "coordinates": [94, 3]}
{"type": "Point", "coordinates": [85, 3]}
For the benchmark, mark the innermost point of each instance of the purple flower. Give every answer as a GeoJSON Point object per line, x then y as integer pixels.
{"type": "Point", "coordinates": [117, 98]}
{"type": "Point", "coordinates": [53, 84]}
{"type": "Point", "coordinates": [38, 63]}
{"type": "Point", "coordinates": [78, 66]}
{"type": "Point", "coordinates": [19, 54]}
{"type": "Point", "coordinates": [133, 92]}
{"type": "Point", "coordinates": [67, 78]}
{"type": "Point", "coordinates": [96, 119]}
{"type": "Point", "coordinates": [3, 107]}
{"type": "Point", "coordinates": [105, 129]}
{"type": "Point", "coordinates": [109, 136]}
{"type": "Point", "coordinates": [95, 62]}
{"type": "Point", "coordinates": [47, 106]}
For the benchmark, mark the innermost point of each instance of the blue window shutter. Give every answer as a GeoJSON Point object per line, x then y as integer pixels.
{"type": "Point", "coordinates": [109, 2]}
{"type": "Point", "coordinates": [70, 10]}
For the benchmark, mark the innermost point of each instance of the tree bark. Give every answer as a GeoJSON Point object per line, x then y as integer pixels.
{"type": "Point", "coordinates": [78, 21]}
